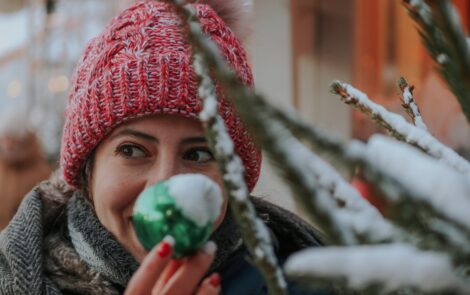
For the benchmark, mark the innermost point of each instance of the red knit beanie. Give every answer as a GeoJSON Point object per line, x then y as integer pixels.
{"type": "Point", "coordinates": [141, 65]}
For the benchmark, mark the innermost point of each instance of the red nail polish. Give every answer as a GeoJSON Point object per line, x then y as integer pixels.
{"type": "Point", "coordinates": [165, 249]}
{"type": "Point", "coordinates": [215, 280]}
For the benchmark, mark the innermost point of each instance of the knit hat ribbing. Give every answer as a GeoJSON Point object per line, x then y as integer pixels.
{"type": "Point", "coordinates": [141, 65]}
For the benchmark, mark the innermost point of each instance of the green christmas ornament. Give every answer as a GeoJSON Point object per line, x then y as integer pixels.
{"type": "Point", "coordinates": [184, 207]}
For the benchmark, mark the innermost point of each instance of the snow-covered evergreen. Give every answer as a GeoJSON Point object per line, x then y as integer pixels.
{"type": "Point", "coordinates": [421, 242]}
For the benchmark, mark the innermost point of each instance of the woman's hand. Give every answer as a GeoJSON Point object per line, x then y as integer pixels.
{"type": "Point", "coordinates": [159, 274]}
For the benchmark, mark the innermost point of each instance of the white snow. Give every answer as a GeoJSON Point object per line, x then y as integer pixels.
{"type": "Point", "coordinates": [322, 180]}
{"type": "Point", "coordinates": [296, 155]}
{"type": "Point", "coordinates": [263, 250]}
{"type": "Point", "coordinates": [170, 240]}
{"type": "Point", "coordinates": [262, 231]}
{"type": "Point", "coordinates": [199, 197]}
{"type": "Point", "coordinates": [409, 100]}
{"type": "Point", "coordinates": [423, 11]}
{"type": "Point", "coordinates": [442, 58]}
{"type": "Point", "coordinates": [234, 173]}
{"type": "Point", "coordinates": [407, 96]}
{"type": "Point", "coordinates": [206, 90]}
{"type": "Point", "coordinates": [210, 108]}
{"type": "Point", "coordinates": [417, 118]}
{"type": "Point", "coordinates": [413, 135]}
{"type": "Point", "coordinates": [393, 265]}
{"type": "Point", "coordinates": [224, 146]}
{"type": "Point", "coordinates": [447, 190]}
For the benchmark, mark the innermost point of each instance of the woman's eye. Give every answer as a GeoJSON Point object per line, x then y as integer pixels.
{"type": "Point", "coordinates": [131, 151]}
{"type": "Point", "coordinates": [199, 155]}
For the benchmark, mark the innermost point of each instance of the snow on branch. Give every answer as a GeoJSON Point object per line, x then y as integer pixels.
{"type": "Point", "coordinates": [428, 226]}
{"type": "Point", "coordinates": [399, 127]}
{"type": "Point", "coordinates": [425, 224]}
{"type": "Point", "coordinates": [315, 199]}
{"type": "Point", "coordinates": [388, 268]}
{"type": "Point", "coordinates": [406, 209]}
{"type": "Point", "coordinates": [435, 190]}
{"type": "Point", "coordinates": [409, 103]}
{"type": "Point", "coordinates": [429, 178]}
{"type": "Point", "coordinates": [351, 211]}
{"type": "Point", "coordinates": [254, 231]}
{"type": "Point", "coordinates": [443, 37]}
{"type": "Point", "coordinates": [246, 101]}
{"type": "Point", "coordinates": [411, 209]}
{"type": "Point", "coordinates": [354, 212]}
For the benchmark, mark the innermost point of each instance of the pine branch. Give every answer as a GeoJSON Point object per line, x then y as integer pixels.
{"type": "Point", "coordinates": [254, 231]}
{"type": "Point", "coordinates": [309, 176]}
{"type": "Point", "coordinates": [294, 166]}
{"type": "Point", "coordinates": [235, 89]}
{"type": "Point", "coordinates": [248, 104]}
{"type": "Point", "coordinates": [405, 210]}
{"type": "Point", "coordinates": [409, 103]}
{"type": "Point", "coordinates": [246, 101]}
{"type": "Point", "coordinates": [224, 74]}
{"type": "Point", "coordinates": [395, 189]}
{"type": "Point", "coordinates": [349, 96]}
{"type": "Point", "coordinates": [442, 35]}
{"type": "Point", "coordinates": [397, 126]}
{"type": "Point", "coordinates": [352, 209]}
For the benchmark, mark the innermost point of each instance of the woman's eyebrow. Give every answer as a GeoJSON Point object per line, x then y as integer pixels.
{"type": "Point", "coordinates": [197, 139]}
{"type": "Point", "coordinates": [134, 133]}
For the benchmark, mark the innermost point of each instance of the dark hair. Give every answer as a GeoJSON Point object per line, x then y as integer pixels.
{"type": "Point", "coordinates": [86, 175]}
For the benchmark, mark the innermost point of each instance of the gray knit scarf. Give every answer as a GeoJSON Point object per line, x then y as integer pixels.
{"type": "Point", "coordinates": [21, 255]}
{"type": "Point", "coordinates": [78, 257]}
{"type": "Point", "coordinates": [75, 254]}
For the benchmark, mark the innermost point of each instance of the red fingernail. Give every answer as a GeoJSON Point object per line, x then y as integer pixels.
{"type": "Point", "coordinates": [164, 250]}
{"type": "Point", "coordinates": [215, 280]}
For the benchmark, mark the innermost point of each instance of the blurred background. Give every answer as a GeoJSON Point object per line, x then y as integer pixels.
{"type": "Point", "coordinates": [298, 47]}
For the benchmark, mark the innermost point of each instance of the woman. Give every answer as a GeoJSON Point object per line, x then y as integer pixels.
{"type": "Point", "coordinates": [132, 121]}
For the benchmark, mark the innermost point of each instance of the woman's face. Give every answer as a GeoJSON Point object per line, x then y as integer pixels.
{"type": "Point", "coordinates": [138, 154]}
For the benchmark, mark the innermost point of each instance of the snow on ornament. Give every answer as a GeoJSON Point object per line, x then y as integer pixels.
{"type": "Point", "coordinates": [184, 207]}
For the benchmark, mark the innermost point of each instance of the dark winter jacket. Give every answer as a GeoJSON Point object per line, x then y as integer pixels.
{"type": "Point", "coordinates": [56, 245]}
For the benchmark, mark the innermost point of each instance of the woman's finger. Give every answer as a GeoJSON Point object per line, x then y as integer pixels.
{"type": "Point", "coordinates": [169, 271]}
{"type": "Point", "coordinates": [210, 286]}
{"type": "Point", "coordinates": [144, 279]}
{"type": "Point", "coordinates": [187, 277]}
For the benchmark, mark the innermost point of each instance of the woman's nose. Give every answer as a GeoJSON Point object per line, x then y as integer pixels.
{"type": "Point", "coordinates": [162, 169]}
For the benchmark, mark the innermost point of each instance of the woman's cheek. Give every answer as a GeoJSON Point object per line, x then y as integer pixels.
{"type": "Point", "coordinates": [114, 188]}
